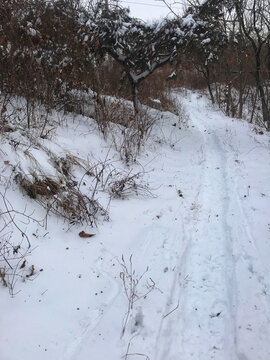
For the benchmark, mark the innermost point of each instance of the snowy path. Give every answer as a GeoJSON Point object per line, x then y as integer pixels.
{"type": "Point", "coordinates": [209, 304]}
{"type": "Point", "coordinates": [226, 314]}
{"type": "Point", "coordinates": [204, 238]}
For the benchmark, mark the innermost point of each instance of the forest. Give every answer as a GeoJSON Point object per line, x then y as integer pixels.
{"type": "Point", "coordinates": [51, 48]}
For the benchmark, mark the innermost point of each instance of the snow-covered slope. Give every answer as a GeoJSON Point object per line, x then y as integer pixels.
{"type": "Point", "coordinates": [183, 274]}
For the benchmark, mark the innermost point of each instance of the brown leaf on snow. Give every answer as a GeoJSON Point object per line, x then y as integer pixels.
{"type": "Point", "coordinates": [6, 162]}
{"type": "Point", "coordinates": [83, 234]}
{"type": "Point", "coordinates": [4, 109]}
{"type": "Point", "coordinates": [258, 132]}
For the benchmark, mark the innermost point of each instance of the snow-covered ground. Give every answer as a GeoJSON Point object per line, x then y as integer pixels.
{"type": "Point", "coordinates": [196, 252]}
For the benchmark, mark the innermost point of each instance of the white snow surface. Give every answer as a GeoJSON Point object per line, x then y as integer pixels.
{"type": "Point", "coordinates": [207, 252]}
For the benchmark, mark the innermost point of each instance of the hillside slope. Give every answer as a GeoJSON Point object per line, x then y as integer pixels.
{"type": "Point", "coordinates": [179, 273]}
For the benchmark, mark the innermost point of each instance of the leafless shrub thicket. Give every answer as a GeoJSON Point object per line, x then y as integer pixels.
{"type": "Point", "coordinates": [117, 121]}
{"type": "Point", "coordinates": [16, 115]}
{"type": "Point", "coordinates": [14, 265]}
{"type": "Point", "coordinates": [116, 111]}
{"type": "Point", "coordinates": [15, 246]}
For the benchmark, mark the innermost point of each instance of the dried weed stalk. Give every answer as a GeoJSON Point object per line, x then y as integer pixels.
{"type": "Point", "coordinates": [128, 353]}
{"type": "Point", "coordinates": [128, 184]}
{"type": "Point", "coordinates": [13, 263]}
{"type": "Point", "coordinates": [132, 287]}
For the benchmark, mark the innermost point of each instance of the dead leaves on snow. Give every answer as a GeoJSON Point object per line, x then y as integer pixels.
{"type": "Point", "coordinates": [83, 234]}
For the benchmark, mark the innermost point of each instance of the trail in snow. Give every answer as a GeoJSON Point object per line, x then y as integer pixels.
{"type": "Point", "coordinates": [209, 304]}
{"type": "Point", "coordinates": [204, 327]}
{"type": "Point", "coordinates": [224, 264]}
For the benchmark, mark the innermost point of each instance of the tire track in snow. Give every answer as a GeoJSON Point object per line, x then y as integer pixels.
{"type": "Point", "coordinates": [171, 343]}
{"type": "Point", "coordinates": [166, 339]}
{"type": "Point", "coordinates": [73, 350]}
{"type": "Point", "coordinates": [163, 242]}
{"type": "Point", "coordinates": [253, 299]}
{"type": "Point", "coordinates": [170, 331]}
{"type": "Point", "coordinates": [208, 326]}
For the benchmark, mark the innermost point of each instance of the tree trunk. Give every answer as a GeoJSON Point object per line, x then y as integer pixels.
{"type": "Point", "coordinates": [28, 112]}
{"type": "Point", "coordinates": [229, 100]}
{"type": "Point", "coordinates": [206, 73]}
{"type": "Point", "coordinates": [135, 98]}
{"type": "Point", "coordinates": [265, 110]}
{"type": "Point", "coordinates": [209, 85]}
{"type": "Point", "coordinates": [211, 93]}
{"type": "Point", "coordinates": [253, 106]}
{"type": "Point", "coordinates": [241, 91]}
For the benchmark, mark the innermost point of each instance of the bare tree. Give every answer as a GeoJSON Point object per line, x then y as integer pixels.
{"type": "Point", "coordinates": [254, 20]}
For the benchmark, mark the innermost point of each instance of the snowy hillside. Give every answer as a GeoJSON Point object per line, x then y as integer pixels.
{"type": "Point", "coordinates": [178, 267]}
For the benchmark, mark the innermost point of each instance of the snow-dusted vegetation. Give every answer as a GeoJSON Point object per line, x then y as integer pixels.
{"type": "Point", "coordinates": [134, 182]}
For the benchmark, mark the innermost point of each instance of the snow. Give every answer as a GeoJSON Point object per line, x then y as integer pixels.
{"type": "Point", "coordinates": [204, 236]}
{"type": "Point", "coordinates": [206, 41]}
{"type": "Point", "coordinates": [31, 31]}
{"type": "Point", "coordinates": [189, 20]}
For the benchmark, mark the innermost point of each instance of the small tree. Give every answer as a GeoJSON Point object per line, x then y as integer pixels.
{"type": "Point", "coordinates": [139, 47]}
{"type": "Point", "coordinates": [206, 50]}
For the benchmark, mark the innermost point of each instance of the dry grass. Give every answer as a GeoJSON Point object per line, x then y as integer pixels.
{"type": "Point", "coordinates": [63, 199]}
{"type": "Point", "coordinates": [43, 187]}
